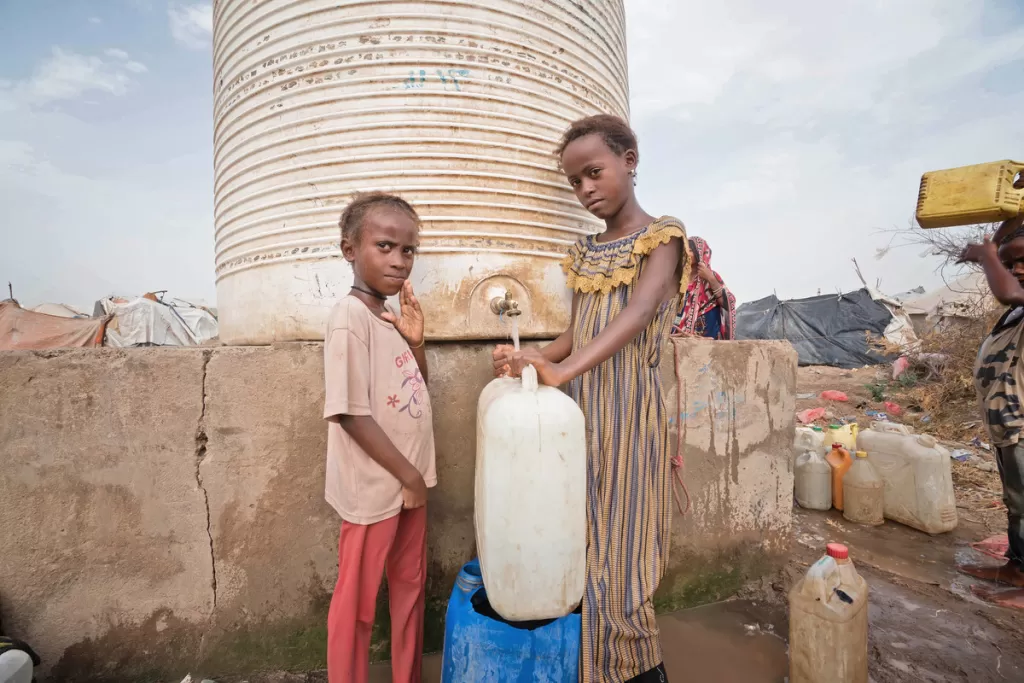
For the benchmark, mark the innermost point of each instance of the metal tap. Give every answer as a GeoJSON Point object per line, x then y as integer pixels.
{"type": "Point", "coordinates": [505, 305]}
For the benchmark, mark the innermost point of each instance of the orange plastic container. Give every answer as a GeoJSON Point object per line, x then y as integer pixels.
{"type": "Point", "coordinates": [840, 462]}
{"type": "Point", "coordinates": [983, 193]}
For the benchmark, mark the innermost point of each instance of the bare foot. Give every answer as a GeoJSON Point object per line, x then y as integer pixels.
{"type": "Point", "coordinates": [1009, 573]}
{"type": "Point", "coordinates": [1012, 597]}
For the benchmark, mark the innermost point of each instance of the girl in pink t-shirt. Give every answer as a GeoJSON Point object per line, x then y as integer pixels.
{"type": "Point", "coordinates": [380, 441]}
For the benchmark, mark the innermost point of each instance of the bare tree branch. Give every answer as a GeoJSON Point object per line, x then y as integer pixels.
{"type": "Point", "coordinates": [945, 243]}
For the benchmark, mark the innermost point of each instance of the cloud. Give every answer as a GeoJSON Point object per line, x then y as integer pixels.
{"type": "Point", "coordinates": [95, 20]}
{"type": "Point", "coordinates": [192, 24]}
{"type": "Point", "coordinates": [127, 61]}
{"type": "Point", "coordinates": [800, 131]}
{"type": "Point", "coordinates": [68, 75]}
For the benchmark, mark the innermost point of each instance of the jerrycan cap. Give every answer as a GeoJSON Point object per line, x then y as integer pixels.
{"type": "Point", "coordinates": [837, 551]}
{"type": "Point", "coordinates": [816, 428]}
{"type": "Point", "coordinates": [926, 440]}
{"type": "Point", "coordinates": [862, 454]}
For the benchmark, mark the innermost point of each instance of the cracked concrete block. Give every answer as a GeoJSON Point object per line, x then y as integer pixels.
{"type": "Point", "coordinates": [123, 468]}
{"type": "Point", "coordinates": [274, 537]}
{"type": "Point", "coordinates": [105, 555]}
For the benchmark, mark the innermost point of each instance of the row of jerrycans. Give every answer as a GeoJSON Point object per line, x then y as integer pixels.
{"type": "Point", "coordinates": [916, 477]}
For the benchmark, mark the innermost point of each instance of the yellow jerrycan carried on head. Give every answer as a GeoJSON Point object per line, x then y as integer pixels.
{"type": "Point", "coordinates": [983, 193]}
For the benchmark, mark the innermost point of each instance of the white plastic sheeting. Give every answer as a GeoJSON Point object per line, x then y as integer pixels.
{"type": "Point", "coordinates": [900, 330]}
{"type": "Point", "coordinates": [144, 322]}
{"type": "Point", "coordinates": [59, 310]}
{"type": "Point", "coordinates": [966, 297]}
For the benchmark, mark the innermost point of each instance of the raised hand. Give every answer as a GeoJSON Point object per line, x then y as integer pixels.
{"type": "Point", "coordinates": [410, 324]}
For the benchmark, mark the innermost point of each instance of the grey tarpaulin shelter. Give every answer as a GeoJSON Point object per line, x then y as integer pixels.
{"type": "Point", "coordinates": [830, 329]}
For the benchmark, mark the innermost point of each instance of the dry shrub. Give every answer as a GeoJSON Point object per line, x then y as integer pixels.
{"type": "Point", "coordinates": [944, 362]}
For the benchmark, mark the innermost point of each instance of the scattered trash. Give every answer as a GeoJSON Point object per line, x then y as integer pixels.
{"type": "Point", "coordinates": [899, 366]}
{"type": "Point", "coordinates": [877, 415]}
{"type": "Point", "coordinates": [832, 395]}
{"type": "Point", "coordinates": [978, 443]}
{"type": "Point", "coordinates": [893, 408]}
{"type": "Point", "coordinates": [960, 455]}
{"type": "Point", "coordinates": [984, 466]}
{"type": "Point", "coordinates": [808, 416]}
{"type": "Point", "coordinates": [804, 397]}
{"type": "Point", "coordinates": [926, 418]}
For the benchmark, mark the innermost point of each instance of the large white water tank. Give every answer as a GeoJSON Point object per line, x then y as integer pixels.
{"type": "Point", "coordinates": [457, 106]}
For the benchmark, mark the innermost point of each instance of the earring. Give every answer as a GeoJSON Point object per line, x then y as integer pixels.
{"type": "Point", "coordinates": [632, 174]}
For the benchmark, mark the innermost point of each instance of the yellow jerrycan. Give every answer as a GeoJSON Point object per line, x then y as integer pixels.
{"type": "Point", "coordinates": [983, 193]}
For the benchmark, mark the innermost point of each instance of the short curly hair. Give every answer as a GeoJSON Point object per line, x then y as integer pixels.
{"type": "Point", "coordinates": [615, 132]}
{"type": "Point", "coordinates": [351, 222]}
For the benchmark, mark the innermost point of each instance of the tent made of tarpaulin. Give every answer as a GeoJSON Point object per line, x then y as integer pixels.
{"type": "Point", "coordinates": [24, 329]}
{"type": "Point", "coordinates": [59, 310]}
{"type": "Point", "coordinates": [965, 297]}
{"type": "Point", "coordinates": [831, 329]}
{"type": "Point", "coordinates": [147, 322]}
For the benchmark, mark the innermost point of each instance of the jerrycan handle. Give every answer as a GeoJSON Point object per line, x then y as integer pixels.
{"type": "Point", "coordinates": [530, 381]}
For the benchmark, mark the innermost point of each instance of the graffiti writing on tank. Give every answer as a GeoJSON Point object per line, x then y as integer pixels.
{"type": "Point", "coordinates": [449, 79]}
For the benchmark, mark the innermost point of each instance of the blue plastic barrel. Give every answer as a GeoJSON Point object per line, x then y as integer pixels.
{"type": "Point", "coordinates": [480, 647]}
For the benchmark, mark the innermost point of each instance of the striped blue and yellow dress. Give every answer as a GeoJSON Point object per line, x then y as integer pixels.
{"type": "Point", "coordinates": [629, 496]}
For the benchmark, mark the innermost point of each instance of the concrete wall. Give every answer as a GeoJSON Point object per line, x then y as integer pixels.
{"type": "Point", "coordinates": [163, 509]}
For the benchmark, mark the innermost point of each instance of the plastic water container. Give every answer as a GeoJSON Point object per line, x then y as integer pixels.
{"type": "Point", "coordinates": [828, 622]}
{"type": "Point", "coordinates": [863, 493]}
{"type": "Point", "coordinates": [15, 667]}
{"type": "Point", "coordinates": [480, 647]}
{"type": "Point", "coordinates": [843, 434]}
{"type": "Point", "coordinates": [839, 461]}
{"type": "Point", "coordinates": [808, 439]}
{"type": "Point", "coordinates": [918, 479]}
{"type": "Point", "coordinates": [982, 193]}
{"type": "Point", "coordinates": [531, 515]}
{"type": "Point", "coordinates": [812, 481]}
{"type": "Point", "coordinates": [889, 428]}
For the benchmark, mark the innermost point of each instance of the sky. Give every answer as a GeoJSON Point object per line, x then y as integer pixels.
{"type": "Point", "coordinates": [790, 135]}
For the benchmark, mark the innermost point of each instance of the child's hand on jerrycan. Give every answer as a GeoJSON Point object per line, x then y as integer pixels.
{"type": "Point", "coordinates": [499, 356]}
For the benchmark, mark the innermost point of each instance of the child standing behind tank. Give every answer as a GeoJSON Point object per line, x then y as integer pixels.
{"type": "Point", "coordinates": [626, 286]}
{"type": "Point", "coordinates": [380, 443]}
{"type": "Point", "coordinates": [999, 380]}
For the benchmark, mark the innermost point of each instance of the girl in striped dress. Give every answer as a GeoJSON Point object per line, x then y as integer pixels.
{"type": "Point", "coordinates": [626, 285]}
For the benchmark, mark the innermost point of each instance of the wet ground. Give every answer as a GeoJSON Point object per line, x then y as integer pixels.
{"type": "Point", "coordinates": [925, 623]}
{"type": "Point", "coordinates": [730, 642]}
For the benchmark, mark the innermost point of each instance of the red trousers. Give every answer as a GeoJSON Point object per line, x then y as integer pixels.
{"type": "Point", "coordinates": [399, 545]}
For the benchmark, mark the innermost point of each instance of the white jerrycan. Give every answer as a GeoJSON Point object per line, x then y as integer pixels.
{"type": "Point", "coordinates": [828, 622]}
{"type": "Point", "coordinates": [918, 478]}
{"type": "Point", "coordinates": [531, 498]}
{"type": "Point", "coordinates": [812, 482]}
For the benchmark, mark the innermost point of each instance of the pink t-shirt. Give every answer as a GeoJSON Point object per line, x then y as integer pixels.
{"type": "Point", "coordinates": [370, 370]}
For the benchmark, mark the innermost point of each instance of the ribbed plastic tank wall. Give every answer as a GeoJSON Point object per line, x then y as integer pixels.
{"type": "Point", "coordinates": [456, 106]}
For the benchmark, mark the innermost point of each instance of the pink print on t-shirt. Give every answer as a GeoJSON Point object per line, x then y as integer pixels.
{"type": "Point", "coordinates": [413, 380]}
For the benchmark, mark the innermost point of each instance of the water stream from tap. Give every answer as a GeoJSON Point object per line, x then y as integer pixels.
{"type": "Point", "coordinates": [515, 331]}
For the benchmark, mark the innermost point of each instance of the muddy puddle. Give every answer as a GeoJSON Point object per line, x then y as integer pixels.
{"type": "Point", "coordinates": [731, 642]}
